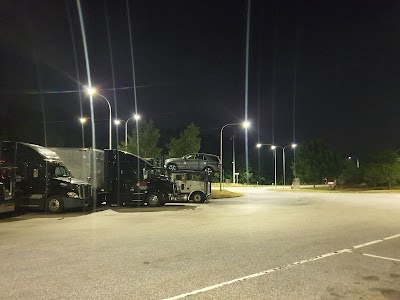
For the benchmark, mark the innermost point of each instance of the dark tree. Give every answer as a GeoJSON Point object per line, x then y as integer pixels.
{"type": "Point", "coordinates": [149, 136]}
{"type": "Point", "coordinates": [316, 160]}
{"type": "Point", "coordinates": [351, 174]}
{"type": "Point", "coordinates": [383, 167]}
{"type": "Point", "coordinates": [189, 141]}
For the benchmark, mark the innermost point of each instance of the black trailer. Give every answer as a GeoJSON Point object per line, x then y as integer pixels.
{"type": "Point", "coordinates": [119, 177]}
{"type": "Point", "coordinates": [7, 188]}
{"type": "Point", "coordinates": [43, 180]}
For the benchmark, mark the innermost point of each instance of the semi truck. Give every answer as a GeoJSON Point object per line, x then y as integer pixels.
{"type": "Point", "coordinates": [118, 177]}
{"type": "Point", "coordinates": [43, 181]}
{"type": "Point", "coordinates": [192, 185]}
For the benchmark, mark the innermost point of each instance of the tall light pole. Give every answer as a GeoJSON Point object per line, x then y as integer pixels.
{"type": "Point", "coordinates": [92, 91]}
{"type": "Point", "coordinates": [134, 117]}
{"type": "Point", "coordinates": [259, 146]}
{"type": "Point", "coordinates": [357, 161]}
{"type": "Point", "coordinates": [83, 121]}
{"type": "Point", "coordinates": [245, 124]}
{"type": "Point", "coordinates": [294, 145]}
{"type": "Point", "coordinates": [274, 148]}
{"type": "Point", "coordinates": [117, 122]}
{"type": "Point", "coordinates": [283, 158]}
{"type": "Point", "coordinates": [233, 160]}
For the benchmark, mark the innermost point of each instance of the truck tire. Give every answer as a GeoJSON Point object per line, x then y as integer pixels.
{"type": "Point", "coordinates": [154, 199]}
{"type": "Point", "coordinates": [54, 204]}
{"type": "Point", "coordinates": [198, 197]}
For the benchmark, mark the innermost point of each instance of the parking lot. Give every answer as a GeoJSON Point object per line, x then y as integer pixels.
{"type": "Point", "coordinates": [265, 245]}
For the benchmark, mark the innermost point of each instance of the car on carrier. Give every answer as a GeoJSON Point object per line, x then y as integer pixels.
{"type": "Point", "coordinates": [195, 161]}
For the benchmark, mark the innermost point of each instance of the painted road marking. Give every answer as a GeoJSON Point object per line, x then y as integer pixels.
{"type": "Point", "coordinates": [367, 244]}
{"type": "Point", "coordinates": [392, 237]}
{"type": "Point", "coordinates": [381, 257]}
{"type": "Point", "coordinates": [215, 286]}
{"type": "Point", "coordinates": [212, 287]}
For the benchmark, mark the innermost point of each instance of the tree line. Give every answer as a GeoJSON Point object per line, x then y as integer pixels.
{"type": "Point", "coordinates": [316, 161]}
{"type": "Point", "coordinates": [145, 138]}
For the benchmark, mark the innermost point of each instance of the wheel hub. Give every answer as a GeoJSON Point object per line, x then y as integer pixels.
{"type": "Point", "coordinates": [153, 199]}
{"type": "Point", "coordinates": [54, 204]}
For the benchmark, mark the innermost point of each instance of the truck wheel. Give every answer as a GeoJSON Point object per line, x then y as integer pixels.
{"type": "Point", "coordinates": [54, 205]}
{"type": "Point", "coordinates": [172, 167]}
{"type": "Point", "coordinates": [208, 170]}
{"type": "Point", "coordinates": [198, 197]}
{"type": "Point", "coordinates": [154, 199]}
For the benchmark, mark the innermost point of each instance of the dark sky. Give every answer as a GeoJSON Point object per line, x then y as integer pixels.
{"type": "Point", "coordinates": [190, 66]}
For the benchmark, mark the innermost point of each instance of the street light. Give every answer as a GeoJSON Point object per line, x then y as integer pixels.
{"type": "Point", "coordinates": [134, 117]}
{"type": "Point", "coordinates": [92, 91]}
{"type": "Point", "coordinates": [357, 161]}
{"type": "Point", "coordinates": [293, 145]}
{"type": "Point", "coordinates": [83, 120]}
{"type": "Point", "coordinates": [245, 124]}
{"type": "Point", "coordinates": [272, 148]}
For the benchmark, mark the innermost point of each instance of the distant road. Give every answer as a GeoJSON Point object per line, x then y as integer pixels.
{"type": "Point", "coordinates": [264, 245]}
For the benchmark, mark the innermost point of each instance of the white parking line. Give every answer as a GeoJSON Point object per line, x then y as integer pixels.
{"type": "Point", "coordinates": [392, 237]}
{"type": "Point", "coordinates": [381, 257]}
{"type": "Point", "coordinates": [215, 286]}
{"type": "Point", "coordinates": [367, 244]}
{"type": "Point", "coordinates": [212, 287]}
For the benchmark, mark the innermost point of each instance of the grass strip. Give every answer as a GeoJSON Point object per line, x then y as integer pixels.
{"type": "Point", "coordinates": [217, 194]}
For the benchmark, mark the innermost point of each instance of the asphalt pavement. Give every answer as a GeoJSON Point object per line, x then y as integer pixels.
{"type": "Point", "coordinates": [264, 245]}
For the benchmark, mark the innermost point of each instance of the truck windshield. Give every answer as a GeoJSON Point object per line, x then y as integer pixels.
{"type": "Point", "coordinates": [60, 171]}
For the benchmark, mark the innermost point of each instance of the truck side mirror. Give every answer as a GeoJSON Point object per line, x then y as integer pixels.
{"type": "Point", "coordinates": [35, 173]}
{"type": "Point", "coordinates": [145, 173]}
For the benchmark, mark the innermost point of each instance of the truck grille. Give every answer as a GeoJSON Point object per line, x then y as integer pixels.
{"type": "Point", "coordinates": [85, 191]}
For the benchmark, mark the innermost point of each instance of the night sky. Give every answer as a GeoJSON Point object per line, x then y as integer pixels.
{"type": "Point", "coordinates": [190, 59]}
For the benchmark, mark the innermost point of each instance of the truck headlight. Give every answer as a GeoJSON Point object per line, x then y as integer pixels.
{"type": "Point", "coordinates": [72, 195]}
